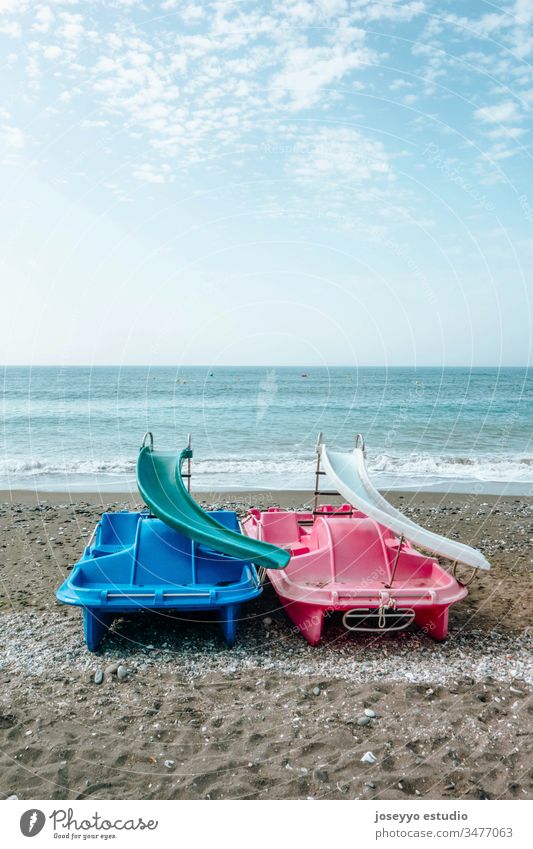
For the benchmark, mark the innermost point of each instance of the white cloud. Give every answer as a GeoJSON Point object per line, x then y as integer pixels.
{"type": "Point", "coordinates": [148, 173]}
{"type": "Point", "coordinates": [11, 29]}
{"type": "Point", "coordinates": [392, 10]}
{"type": "Point", "coordinates": [12, 137]}
{"type": "Point", "coordinates": [93, 123]}
{"type": "Point", "coordinates": [498, 113]}
{"type": "Point", "coordinates": [340, 156]}
{"type": "Point", "coordinates": [192, 13]}
{"type": "Point", "coordinates": [12, 6]}
{"type": "Point", "coordinates": [52, 52]}
{"type": "Point", "coordinates": [309, 70]}
{"type": "Point", "coordinates": [71, 28]}
{"type": "Point", "coordinates": [523, 9]}
{"type": "Point", "coordinates": [43, 19]}
{"type": "Point", "coordinates": [506, 132]}
{"type": "Point", "coordinates": [399, 83]}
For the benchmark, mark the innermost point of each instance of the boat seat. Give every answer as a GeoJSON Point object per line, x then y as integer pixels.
{"type": "Point", "coordinates": [116, 530]}
{"type": "Point", "coordinates": [280, 528]}
{"type": "Point", "coordinates": [358, 551]}
{"type": "Point", "coordinates": [163, 555]}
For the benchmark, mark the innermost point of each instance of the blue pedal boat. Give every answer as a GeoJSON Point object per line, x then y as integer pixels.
{"type": "Point", "coordinates": [176, 557]}
{"type": "Point", "coordinates": [137, 562]}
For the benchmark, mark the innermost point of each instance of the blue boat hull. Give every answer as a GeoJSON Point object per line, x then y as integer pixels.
{"type": "Point", "coordinates": [136, 562]}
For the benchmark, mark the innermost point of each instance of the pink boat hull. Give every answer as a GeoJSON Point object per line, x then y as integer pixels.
{"type": "Point", "coordinates": [344, 561]}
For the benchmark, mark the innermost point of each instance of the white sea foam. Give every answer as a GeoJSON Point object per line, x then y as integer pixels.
{"type": "Point", "coordinates": [33, 467]}
{"type": "Point", "coordinates": [276, 472]}
{"type": "Point", "coordinates": [483, 468]}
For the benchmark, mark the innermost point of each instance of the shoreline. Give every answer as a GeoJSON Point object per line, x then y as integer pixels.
{"type": "Point", "coordinates": [280, 497]}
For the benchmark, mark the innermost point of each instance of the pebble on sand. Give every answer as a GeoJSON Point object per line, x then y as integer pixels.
{"type": "Point", "coordinates": [363, 720]}
{"type": "Point", "coordinates": [122, 673]}
{"type": "Point", "coordinates": [371, 713]}
{"type": "Point", "coordinates": [316, 691]}
{"type": "Point", "coordinates": [169, 764]}
{"type": "Point", "coordinates": [98, 676]}
{"type": "Point", "coordinates": [369, 758]}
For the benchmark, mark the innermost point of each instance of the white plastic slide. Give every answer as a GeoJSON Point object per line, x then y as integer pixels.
{"type": "Point", "coordinates": [348, 472]}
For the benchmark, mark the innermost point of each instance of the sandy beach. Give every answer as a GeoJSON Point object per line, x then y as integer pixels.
{"type": "Point", "coordinates": [272, 717]}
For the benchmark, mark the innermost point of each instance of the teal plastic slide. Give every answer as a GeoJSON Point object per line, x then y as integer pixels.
{"type": "Point", "coordinates": [160, 482]}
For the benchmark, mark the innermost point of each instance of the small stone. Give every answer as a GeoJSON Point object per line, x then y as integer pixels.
{"type": "Point", "coordinates": [316, 691]}
{"type": "Point", "coordinates": [369, 758]}
{"type": "Point", "coordinates": [267, 621]}
{"type": "Point", "coordinates": [112, 668]}
{"type": "Point", "coordinates": [122, 673]}
{"type": "Point", "coordinates": [363, 720]}
{"type": "Point", "coordinates": [450, 786]}
{"type": "Point", "coordinates": [12, 798]}
{"type": "Point", "coordinates": [370, 784]}
{"type": "Point", "coordinates": [169, 764]}
{"type": "Point", "coordinates": [98, 676]}
{"type": "Point", "coordinates": [371, 713]}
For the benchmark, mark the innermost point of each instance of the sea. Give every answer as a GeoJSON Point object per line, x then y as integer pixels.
{"type": "Point", "coordinates": [80, 428]}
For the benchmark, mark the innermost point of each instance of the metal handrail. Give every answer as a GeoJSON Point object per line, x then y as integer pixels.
{"type": "Point", "coordinates": [470, 579]}
{"type": "Point", "coordinates": [360, 613]}
{"type": "Point", "coordinates": [150, 437]}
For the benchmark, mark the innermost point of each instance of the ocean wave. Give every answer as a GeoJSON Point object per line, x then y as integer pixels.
{"type": "Point", "coordinates": [483, 467]}
{"type": "Point", "coordinates": [31, 467]}
{"type": "Point", "coordinates": [284, 471]}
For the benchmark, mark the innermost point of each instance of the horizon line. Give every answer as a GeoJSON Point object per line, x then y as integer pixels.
{"type": "Point", "coordinates": [259, 365]}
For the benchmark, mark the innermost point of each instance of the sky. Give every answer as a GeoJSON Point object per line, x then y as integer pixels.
{"type": "Point", "coordinates": [249, 183]}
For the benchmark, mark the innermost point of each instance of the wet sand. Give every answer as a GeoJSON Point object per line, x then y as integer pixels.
{"type": "Point", "coordinates": [272, 717]}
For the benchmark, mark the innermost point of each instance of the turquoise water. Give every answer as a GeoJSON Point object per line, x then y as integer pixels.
{"type": "Point", "coordinates": [427, 428]}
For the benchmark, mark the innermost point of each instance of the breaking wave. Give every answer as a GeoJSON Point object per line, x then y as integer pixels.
{"type": "Point", "coordinates": [279, 472]}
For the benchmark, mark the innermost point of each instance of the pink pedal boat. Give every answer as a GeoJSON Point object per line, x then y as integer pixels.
{"type": "Point", "coordinates": [360, 558]}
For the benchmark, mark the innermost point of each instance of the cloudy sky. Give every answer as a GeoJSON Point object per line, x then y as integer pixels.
{"type": "Point", "coordinates": [341, 182]}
